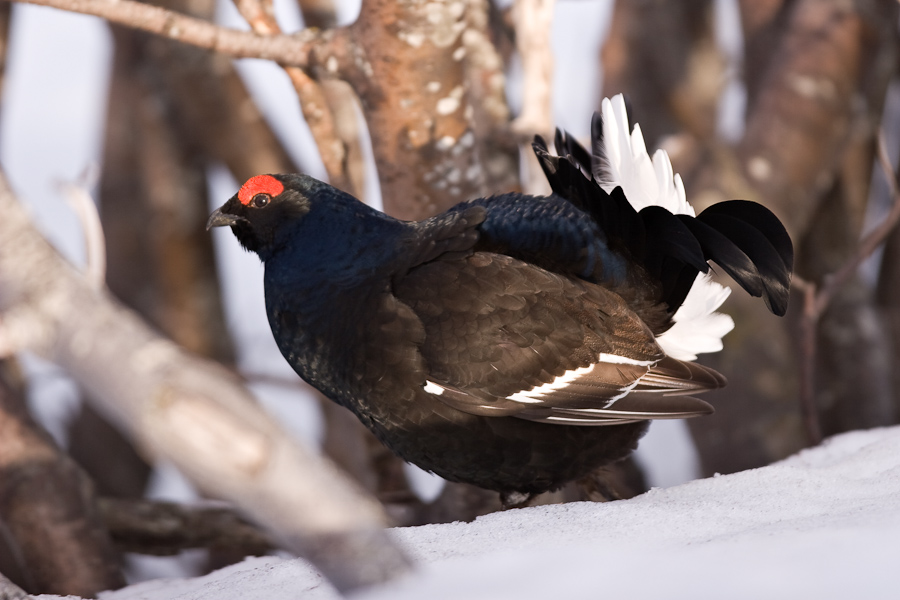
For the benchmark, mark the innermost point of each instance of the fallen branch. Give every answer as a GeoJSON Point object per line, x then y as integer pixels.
{"type": "Point", "coordinates": [194, 413]}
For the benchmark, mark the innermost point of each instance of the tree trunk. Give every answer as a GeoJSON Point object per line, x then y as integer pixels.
{"type": "Point", "coordinates": [807, 155]}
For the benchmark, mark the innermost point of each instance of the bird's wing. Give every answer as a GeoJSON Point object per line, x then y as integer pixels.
{"type": "Point", "coordinates": [506, 338]}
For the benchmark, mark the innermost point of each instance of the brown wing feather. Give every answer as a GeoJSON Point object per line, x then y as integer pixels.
{"type": "Point", "coordinates": [505, 338]}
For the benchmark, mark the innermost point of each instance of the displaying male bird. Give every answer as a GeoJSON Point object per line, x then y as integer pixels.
{"type": "Point", "coordinates": [514, 342]}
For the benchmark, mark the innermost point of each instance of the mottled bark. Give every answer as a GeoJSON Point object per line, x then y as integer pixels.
{"type": "Point", "coordinates": [799, 126]}
{"type": "Point", "coordinates": [410, 76]}
{"type": "Point", "coordinates": [484, 68]}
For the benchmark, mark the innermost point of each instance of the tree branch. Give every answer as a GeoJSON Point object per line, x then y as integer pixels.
{"type": "Point", "coordinates": [166, 528]}
{"type": "Point", "coordinates": [816, 301]}
{"type": "Point", "coordinates": [872, 240]}
{"type": "Point", "coordinates": [77, 194]}
{"type": "Point", "coordinates": [316, 110]}
{"type": "Point", "coordinates": [193, 413]}
{"type": "Point", "coordinates": [292, 50]}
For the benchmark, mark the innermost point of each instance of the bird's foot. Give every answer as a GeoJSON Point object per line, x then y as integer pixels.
{"type": "Point", "coordinates": [510, 500]}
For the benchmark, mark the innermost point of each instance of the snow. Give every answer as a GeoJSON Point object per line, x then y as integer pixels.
{"type": "Point", "coordinates": [822, 524]}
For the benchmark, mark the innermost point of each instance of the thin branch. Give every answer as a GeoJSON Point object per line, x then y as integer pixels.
{"type": "Point", "coordinates": [816, 301]}
{"type": "Point", "coordinates": [316, 111]}
{"type": "Point", "coordinates": [872, 240]}
{"type": "Point", "coordinates": [320, 119]}
{"type": "Point", "coordinates": [166, 528]}
{"type": "Point", "coordinates": [79, 198]}
{"type": "Point", "coordinates": [292, 50]}
{"type": "Point", "coordinates": [808, 325]}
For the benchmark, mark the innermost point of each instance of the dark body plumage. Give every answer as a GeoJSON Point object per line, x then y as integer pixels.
{"type": "Point", "coordinates": [486, 344]}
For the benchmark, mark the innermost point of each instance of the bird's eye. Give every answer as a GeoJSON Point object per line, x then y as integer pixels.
{"type": "Point", "coordinates": [260, 200]}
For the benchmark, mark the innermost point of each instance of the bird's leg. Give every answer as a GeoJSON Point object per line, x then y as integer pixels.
{"type": "Point", "coordinates": [510, 500]}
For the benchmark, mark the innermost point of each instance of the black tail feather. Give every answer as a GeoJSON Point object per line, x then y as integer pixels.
{"type": "Point", "coordinates": [599, 161]}
{"type": "Point", "coordinates": [732, 259]}
{"type": "Point", "coordinates": [774, 274]}
{"type": "Point", "coordinates": [564, 176]}
{"type": "Point", "coordinates": [762, 219]}
{"type": "Point", "coordinates": [744, 238]}
{"type": "Point", "coordinates": [569, 148]}
{"type": "Point", "coordinates": [672, 255]}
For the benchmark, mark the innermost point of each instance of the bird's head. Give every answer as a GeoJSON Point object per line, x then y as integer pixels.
{"type": "Point", "coordinates": [265, 208]}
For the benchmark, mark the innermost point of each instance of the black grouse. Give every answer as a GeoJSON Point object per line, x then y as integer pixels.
{"type": "Point", "coordinates": [514, 342]}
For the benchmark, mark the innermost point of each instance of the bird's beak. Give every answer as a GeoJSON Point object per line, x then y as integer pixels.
{"type": "Point", "coordinates": [221, 219]}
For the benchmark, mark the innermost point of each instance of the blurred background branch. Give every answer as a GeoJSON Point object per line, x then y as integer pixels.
{"type": "Point", "coordinates": [193, 413]}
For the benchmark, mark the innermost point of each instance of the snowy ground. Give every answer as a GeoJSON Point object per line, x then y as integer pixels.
{"type": "Point", "coordinates": [822, 524]}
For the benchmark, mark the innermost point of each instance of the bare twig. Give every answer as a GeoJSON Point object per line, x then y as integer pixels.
{"type": "Point", "coordinates": [808, 325]}
{"type": "Point", "coordinates": [872, 240]}
{"type": "Point", "coordinates": [816, 301]}
{"type": "Point", "coordinates": [260, 14]}
{"type": "Point", "coordinates": [316, 111]}
{"type": "Point", "coordinates": [79, 198]}
{"type": "Point", "coordinates": [286, 49]}
{"type": "Point", "coordinates": [320, 119]}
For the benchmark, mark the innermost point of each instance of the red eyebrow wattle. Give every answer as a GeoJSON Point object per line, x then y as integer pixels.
{"type": "Point", "coordinates": [261, 184]}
